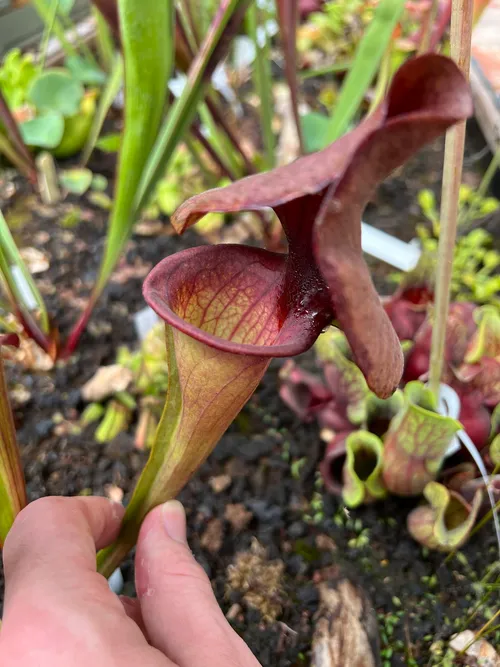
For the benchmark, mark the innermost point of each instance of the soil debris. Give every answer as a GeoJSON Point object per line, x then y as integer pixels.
{"type": "Point", "coordinates": [260, 581]}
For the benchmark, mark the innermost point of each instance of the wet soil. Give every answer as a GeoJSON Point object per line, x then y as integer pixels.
{"type": "Point", "coordinates": [420, 601]}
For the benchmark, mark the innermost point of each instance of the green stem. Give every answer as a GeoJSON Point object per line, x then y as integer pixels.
{"type": "Point", "coordinates": [10, 257]}
{"type": "Point", "coordinates": [219, 142]}
{"type": "Point", "coordinates": [104, 41]}
{"type": "Point", "coordinates": [263, 84]}
{"type": "Point", "coordinates": [468, 216]}
{"type": "Point", "coordinates": [186, 18]}
{"type": "Point", "coordinates": [489, 173]}
{"type": "Point", "coordinates": [44, 13]}
{"type": "Point", "coordinates": [342, 66]}
{"type": "Point", "coordinates": [69, 24]}
{"type": "Point", "coordinates": [183, 110]}
{"type": "Point", "coordinates": [485, 519]}
{"type": "Point", "coordinates": [383, 79]}
{"type": "Point", "coordinates": [481, 632]}
{"type": "Point", "coordinates": [195, 154]}
{"type": "Point", "coordinates": [7, 149]}
{"type": "Point", "coordinates": [108, 94]}
{"type": "Point", "coordinates": [49, 26]}
{"type": "Point", "coordinates": [461, 31]}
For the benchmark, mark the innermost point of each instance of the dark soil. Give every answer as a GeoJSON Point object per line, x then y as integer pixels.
{"type": "Point", "coordinates": [420, 600]}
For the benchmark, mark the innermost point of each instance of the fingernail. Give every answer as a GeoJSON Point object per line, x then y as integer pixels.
{"type": "Point", "coordinates": [174, 520]}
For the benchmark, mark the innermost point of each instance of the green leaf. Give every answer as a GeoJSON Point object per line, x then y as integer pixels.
{"type": "Point", "coordinates": [65, 7]}
{"type": "Point", "coordinates": [56, 90]}
{"type": "Point", "coordinates": [85, 71]}
{"type": "Point", "coordinates": [147, 39]}
{"type": "Point", "coordinates": [77, 180]}
{"type": "Point", "coordinates": [109, 143]}
{"type": "Point", "coordinates": [104, 42]}
{"type": "Point", "coordinates": [314, 127]}
{"type": "Point", "coordinates": [99, 183]}
{"type": "Point", "coordinates": [9, 258]}
{"type": "Point", "coordinates": [190, 427]}
{"type": "Point", "coordinates": [183, 111]}
{"type": "Point", "coordinates": [12, 486]}
{"type": "Point", "coordinates": [106, 99]}
{"type": "Point", "coordinates": [101, 199]}
{"type": "Point", "coordinates": [45, 131]}
{"type": "Point", "coordinates": [342, 375]}
{"type": "Point", "coordinates": [366, 62]}
{"type": "Point", "coordinates": [16, 74]}
{"type": "Point", "coordinates": [263, 79]}
{"type": "Point", "coordinates": [44, 9]}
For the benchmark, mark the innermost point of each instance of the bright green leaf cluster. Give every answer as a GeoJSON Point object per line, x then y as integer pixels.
{"type": "Point", "coordinates": [337, 29]}
{"type": "Point", "coordinates": [17, 72]}
{"type": "Point", "coordinates": [476, 265]}
{"type": "Point", "coordinates": [54, 110]}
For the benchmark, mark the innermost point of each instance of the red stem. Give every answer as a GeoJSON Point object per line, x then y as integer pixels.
{"type": "Point", "coordinates": [16, 139]}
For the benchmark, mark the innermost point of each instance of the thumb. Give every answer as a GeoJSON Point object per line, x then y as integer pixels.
{"type": "Point", "coordinates": [179, 609]}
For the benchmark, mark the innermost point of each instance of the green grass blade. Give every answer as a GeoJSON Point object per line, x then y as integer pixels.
{"type": "Point", "coordinates": [183, 111]}
{"type": "Point", "coordinates": [9, 258]}
{"type": "Point", "coordinates": [12, 144]}
{"type": "Point", "coordinates": [12, 486]}
{"type": "Point", "coordinates": [104, 41]}
{"type": "Point", "coordinates": [108, 94]}
{"type": "Point", "coordinates": [366, 62]}
{"type": "Point", "coordinates": [263, 81]}
{"type": "Point", "coordinates": [45, 12]}
{"type": "Point", "coordinates": [49, 26]}
{"type": "Point", "coordinates": [147, 38]}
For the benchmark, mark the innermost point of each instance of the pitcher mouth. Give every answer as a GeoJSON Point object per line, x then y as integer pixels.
{"type": "Point", "coordinates": [170, 291]}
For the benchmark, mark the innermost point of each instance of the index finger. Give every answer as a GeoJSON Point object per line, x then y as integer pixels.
{"type": "Point", "coordinates": [54, 537]}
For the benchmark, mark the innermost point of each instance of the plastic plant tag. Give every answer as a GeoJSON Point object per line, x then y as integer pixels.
{"type": "Point", "coordinates": [144, 321]}
{"type": "Point", "coordinates": [24, 289]}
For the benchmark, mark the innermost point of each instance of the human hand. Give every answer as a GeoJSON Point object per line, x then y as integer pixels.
{"type": "Point", "coordinates": [58, 611]}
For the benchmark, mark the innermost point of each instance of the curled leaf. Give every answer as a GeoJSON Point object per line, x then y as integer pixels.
{"type": "Point", "coordinates": [486, 340]}
{"type": "Point", "coordinates": [416, 442]}
{"type": "Point", "coordinates": [407, 309]}
{"type": "Point", "coordinates": [446, 522]}
{"type": "Point", "coordinates": [474, 416]}
{"type": "Point", "coordinates": [380, 412]}
{"type": "Point", "coordinates": [302, 392]}
{"type": "Point", "coordinates": [363, 469]}
{"type": "Point", "coordinates": [333, 463]}
{"type": "Point", "coordinates": [352, 468]}
{"type": "Point", "coordinates": [343, 377]}
{"type": "Point", "coordinates": [460, 327]}
{"type": "Point", "coordinates": [469, 489]}
{"type": "Point", "coordinates": [483, 377]}
{"type": "Point", "coordinates": [319, 200]}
